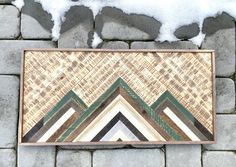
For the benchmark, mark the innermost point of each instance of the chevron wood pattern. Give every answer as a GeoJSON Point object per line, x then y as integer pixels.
{"type": "Point", "coordinates": [117, 96]}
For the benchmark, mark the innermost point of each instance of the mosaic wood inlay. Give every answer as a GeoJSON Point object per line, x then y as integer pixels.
{"type": "Point", "coordinates": [114, 97]}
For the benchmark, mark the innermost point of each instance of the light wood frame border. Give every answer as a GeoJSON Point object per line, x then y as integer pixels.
{"type": "Point", "coordinates": [116, 143]}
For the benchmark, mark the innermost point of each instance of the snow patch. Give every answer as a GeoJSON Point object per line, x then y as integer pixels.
{"type": "Point", "coordinates": [198, 39]}
{"type": "Point", "coordinates": [57, 9]}
{"type": "Point", "coordinates": [19, 3]}
{"type": "Point", "coordinates": [171, 13]}
{"type": "Point", "coordinates": [96, 40]}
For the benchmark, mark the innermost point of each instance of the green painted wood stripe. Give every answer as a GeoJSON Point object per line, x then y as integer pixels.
{"type": "Point", "coordinates": [101, 99]}
{"type": "Point", "coordinates": [151, 113]}
{"type": "Point", "coordinates": [70, 95]}
{"type": "Point", "coordinates": [168, 95]}
{"type": "Point", "coordinates": [89, 111]}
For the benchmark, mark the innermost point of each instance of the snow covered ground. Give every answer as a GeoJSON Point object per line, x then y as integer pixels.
{"type": "Point", "coordinates": [171, 13]}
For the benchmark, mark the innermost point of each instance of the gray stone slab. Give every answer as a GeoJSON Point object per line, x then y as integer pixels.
{"type": "Point", "coordinates": [187, 31]}
{"type": "Point", "coordinates": [7, 158]}
{"type": "Point", "coordinates": [75, 30]}
{"type": "Point", "coordinates": [147, 145]}
{"type": "Point", "coordinates": [9, 21]}
{"type": "Point", "coordinates": [9, 88]}
{"type": "Point", "coordinates": [213, 24]}
{"type": "Point", "coordinates": [164, 45]}
{"type": "Point", "coordinates": [92, 147]}
{"type": "Point", "coordinates": [35, 22]}
{"type": "Point", "coordinates": [225, 133]}
{"type": "Point", "coordinates": [219, 159]}
{"type": "Point", "coordinates": [225, 95]}
{"type": "Point", "coordinates": [115, 45]}
{"type": "Point", "coordinates": [129, 158]}
{"type": "Point", "coordinates": [5, 1]}
{"type": "Point", "coordinates": [183, 155]}
{"type": "Point", "coordinates": [31, 29]}
{"type": "Point", "coordinates": [36, 156]}
{"type": "Point", "coordinates": [11, 52]}
{"type": "Point", "coordinates": [223, 42]}
{"type": "Point", "coordinates": [112, 23]}
{"type": "Point", "coordinates": [73, 158]}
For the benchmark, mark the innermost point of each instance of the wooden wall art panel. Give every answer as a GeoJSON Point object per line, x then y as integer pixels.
{"type": "Point", "coordinates": [100, 97]}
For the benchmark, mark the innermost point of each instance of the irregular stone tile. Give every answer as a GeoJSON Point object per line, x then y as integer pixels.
{"type": "Point", "coordinates": [213, 24]}
{"type": "Point", "coordinates": [76, 28]}
{"type": "Point", "coordinates": [223, 42]}
{"type": "Point", "coordinates": [11, 52]}
{"type": "Point", "coordinates": [9, 21]}
{"type": "Point", "coordinates": [183, 155]}
{"type": "Point", "coordinates": [7, 158]}
{"type": "Point", "coordinates": [225, 133]}
{"type": "Point", "coordinates": [112, 23]}
{"type": "Point", "coordinates": [129, 158]}
{"type": "Point", "coordinates": [187, 31]}
{"type": "Point", "coordinates": [35, 22]}
{"type": "Point", "coordinates": [36, 156]}
{"type": "Point", "coordinates": [9, 88]}
{"type": "Point", "coordinates": [225, 95]}
{"type": "Point", "coordinates": [219, 159]}
{"type": "Point", "coordinates": [164, 45]}
{"type": "Point", "coordinates": [115, 45]}
{"type": "Point", "coordinates": [73, 158]}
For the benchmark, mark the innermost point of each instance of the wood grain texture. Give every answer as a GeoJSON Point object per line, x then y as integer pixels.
{"type": "Point", "coordinates": [188, 75]}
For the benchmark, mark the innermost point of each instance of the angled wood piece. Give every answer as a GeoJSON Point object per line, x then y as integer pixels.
{"type": "Point", "coordinates": [70, 100]}
{"type": "Point", "coordinates": [167, 100]}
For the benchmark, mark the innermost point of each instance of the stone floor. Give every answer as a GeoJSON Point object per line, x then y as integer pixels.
{"type": "Point", "coordinates": [30, 28]}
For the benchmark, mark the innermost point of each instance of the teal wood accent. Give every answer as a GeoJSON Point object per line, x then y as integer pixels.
{"type": "Point", "coordinates": [70, 95]}
{"type": "Point", "coordinates": [168, 95]}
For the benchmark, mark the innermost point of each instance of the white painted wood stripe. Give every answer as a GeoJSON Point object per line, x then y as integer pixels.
{"type": "Point", "coordinates": [119, 126]}
{"type": "Point", "coordinates": [119, 104]}
{"type": "Point", "coordinates": [120, 135]}
{"type": "Point", "coordinates": [181, 124]}
{"type": "Point", "coordinates": [102, 121]}
{"type": "Point", "coordinates": [57, 125]}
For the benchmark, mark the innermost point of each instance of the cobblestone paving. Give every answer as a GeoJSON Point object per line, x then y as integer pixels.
{"type": "Point", "coordinates": [30, 28]}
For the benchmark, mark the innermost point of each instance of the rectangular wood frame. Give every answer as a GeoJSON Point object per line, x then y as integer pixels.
{"type": "Point", "coordinates": [84, 144]}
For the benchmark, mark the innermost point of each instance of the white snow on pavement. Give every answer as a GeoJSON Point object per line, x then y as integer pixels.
{"type": "Point", "coordinates": [171, 13]}
{"type": "Point", "coordinates": [96, 40]}
{"type": "Point", "coordinates": [18, 3]}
